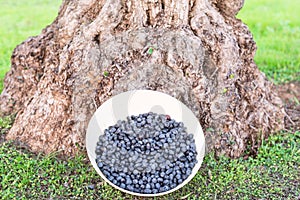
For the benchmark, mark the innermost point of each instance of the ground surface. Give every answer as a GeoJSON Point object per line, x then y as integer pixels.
{"type": "Point", "coordinates": [276, 30]}
{"type": "Point", "coordinates": [273, 173]}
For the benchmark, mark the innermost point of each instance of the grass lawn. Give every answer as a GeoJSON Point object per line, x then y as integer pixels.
{"type": "Point", "coordinates": [276, 29]}
{"type": "Point", "coordinates": [273, 174]}
{"type": "Point", "coordinates": [19, 20]}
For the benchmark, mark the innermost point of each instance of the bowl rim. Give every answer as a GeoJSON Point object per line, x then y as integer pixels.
{"type": "Point", "coordinates": [135, 94]}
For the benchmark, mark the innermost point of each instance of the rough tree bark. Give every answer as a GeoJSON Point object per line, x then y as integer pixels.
{"type": "Point", "coordinates": [203, 56]}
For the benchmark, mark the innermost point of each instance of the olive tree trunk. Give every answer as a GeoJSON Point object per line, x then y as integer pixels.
{"type": "Point", "coordinates": [194, 50]}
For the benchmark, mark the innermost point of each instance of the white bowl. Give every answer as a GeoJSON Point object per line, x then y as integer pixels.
{"type": "Point", "coordinates": [134, 103]}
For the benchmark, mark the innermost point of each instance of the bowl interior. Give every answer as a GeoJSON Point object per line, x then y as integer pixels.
{"type": "Point", "coordinates": [134, 103]}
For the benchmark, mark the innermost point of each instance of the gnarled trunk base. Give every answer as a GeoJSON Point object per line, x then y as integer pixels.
{"type": "Point", "coordinates": [202, 55]}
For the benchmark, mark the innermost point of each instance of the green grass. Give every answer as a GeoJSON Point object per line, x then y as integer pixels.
{"type": "Point", "coordinates": [5, 123]}
{"type": "Point", "coordinates": [276, 30]}
{"type": "Point", "coordinates": [273, 174]}
{"type": "Point", "coordinates": [19, 20]}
